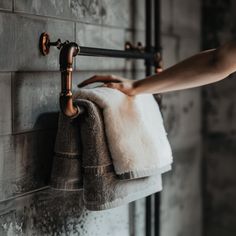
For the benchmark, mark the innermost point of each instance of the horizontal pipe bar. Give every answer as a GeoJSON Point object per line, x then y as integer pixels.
{"type": "Point", "coordinates": [100, 52]}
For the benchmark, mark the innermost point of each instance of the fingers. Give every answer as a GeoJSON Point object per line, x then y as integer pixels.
{"type": "Point", "coordinates": [99, 78]}
{"type": "Point", "coordinates": [112, 85]}
{"type": "Point", "coordinates": [119, 86]}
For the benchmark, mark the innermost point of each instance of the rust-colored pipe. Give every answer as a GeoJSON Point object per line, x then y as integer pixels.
{"type": "Point", "coordinates": [67, 53]}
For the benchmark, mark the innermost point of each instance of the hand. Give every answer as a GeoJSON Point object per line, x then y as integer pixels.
{"type": "Point", "coordinates": [126, 86]}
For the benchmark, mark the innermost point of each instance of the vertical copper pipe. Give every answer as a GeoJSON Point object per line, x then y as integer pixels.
{"type": "Point", "coordinates": [67, 53]}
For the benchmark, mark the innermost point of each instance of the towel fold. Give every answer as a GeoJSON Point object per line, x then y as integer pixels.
{"type": "Point", "coordinates": [102, 187]}
{"type": "Point", "coordinates": [135, 132]}
{"type": "Point", "coordinates": [115, 152]}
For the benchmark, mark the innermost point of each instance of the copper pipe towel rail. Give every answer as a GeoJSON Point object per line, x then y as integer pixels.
{"type": "Point", "coordinates": [68, 50]}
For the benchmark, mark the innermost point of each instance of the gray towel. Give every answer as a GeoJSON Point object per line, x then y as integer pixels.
{"type": "Point", "coordinates": [90, 158]}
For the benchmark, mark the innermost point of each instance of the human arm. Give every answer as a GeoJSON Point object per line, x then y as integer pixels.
{"type": "Point", "coordinates": [203, 68]}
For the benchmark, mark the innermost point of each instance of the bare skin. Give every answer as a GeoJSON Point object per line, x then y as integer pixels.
{"type": "Point", "coordinates": [203, 68]}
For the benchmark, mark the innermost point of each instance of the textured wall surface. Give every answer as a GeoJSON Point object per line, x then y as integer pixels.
{"type": "Point", "coordinates": [220, 127]}
{"type": "Point", "coordinates": [29, 87]}
{"type": "Point", "coordinates": [181, 209]}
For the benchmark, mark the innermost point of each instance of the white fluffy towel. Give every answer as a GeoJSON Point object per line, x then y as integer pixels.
{"type": "Point", "coordinates": [136, 136]}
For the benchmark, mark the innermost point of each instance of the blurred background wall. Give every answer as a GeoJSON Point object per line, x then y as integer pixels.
{"type": "Point", "coordinates": [219, 127]}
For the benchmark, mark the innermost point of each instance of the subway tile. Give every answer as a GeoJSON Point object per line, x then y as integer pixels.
{"type": "Point", "coordinates": [7, 39]}
{"type": "Point", "coordinates": [138, 11]}
{"type": "Point", "coordinates": [6, 4]}
{"type": "Point", "coordinates": [84, 11]}
{"type": "Point", "coordinates": [19, 36]}
{"type": "Point", "coordinates": [113, 13]}
{"type": "Point", "coordinates": [100, 37]}
{"type": "Point", "coordinates": [5, 103]}
{"type": "Point", "coordinates": [7, 167]}
{"type": "Point", "coordinates": [35, 100]}
{"type": "Point", "coordinates": [25, 162]}
{"type": "Point", "coordinates": [52, 212]}
{"type": "Point", "coordinates": [118, 13]}
{"type": "Point", "coordinates": [33, 158]}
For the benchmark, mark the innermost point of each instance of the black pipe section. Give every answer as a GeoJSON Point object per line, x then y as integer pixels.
{"type": "Point", "coordinates": [157, 46]}
{"type": "Point", "coordinates": [148, 16]}
{"type": "Point", "coordinates": [148, 36]}
{"type": "Point", "coordinates": [157, 25]}
{"type": "Point", "coordinates": [102, 52]}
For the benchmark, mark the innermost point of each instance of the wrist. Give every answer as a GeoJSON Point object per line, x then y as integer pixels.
{"type": "Point", "coordinates": [137, 87]}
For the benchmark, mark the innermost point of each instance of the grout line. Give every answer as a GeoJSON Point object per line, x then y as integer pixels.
{"type": "Point", "coordinates": [75, 58]}
{"type": "Point", "coordinates": [13, 6]}
{"type": "Point", "coordinates": [35, 15]}
{"type": "Point", "coordinates": [6, 10]}
{"type": "Point", "coordinates": [12, 103]}
{"type": "Point", "coordinates": [24, 194]}
{"type": "Point", "coordinates": [43, 130]}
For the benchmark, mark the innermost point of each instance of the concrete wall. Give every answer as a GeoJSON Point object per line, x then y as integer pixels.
{"type": "Point", "coordinates": [181, 209]}
{"type": "Point", "coordinates": [219, 106]}
{"type": "Point", "coordinates": [181, 199]}
{"type": "Point", "coordinates": [29, 87]}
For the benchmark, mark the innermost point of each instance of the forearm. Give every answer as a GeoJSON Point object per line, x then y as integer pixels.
{"type": "Point", "coordinates": [206, 67]}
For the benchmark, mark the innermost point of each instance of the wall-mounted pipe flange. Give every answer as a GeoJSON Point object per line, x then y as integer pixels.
{"type": "Point", "coordinates": [131, 47]}
{"type": "Point", "coordinates": [45, 43]}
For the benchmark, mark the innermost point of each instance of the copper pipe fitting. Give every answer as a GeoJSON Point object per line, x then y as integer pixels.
{"type": "Point", "coordinates": [68, 51]}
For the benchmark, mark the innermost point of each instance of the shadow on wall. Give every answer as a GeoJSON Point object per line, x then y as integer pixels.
{"type": "Point", "coordinates": [27, 159]}
{"type": "Point", "coordinates": [45, 147]}
{"type": "Point", "coordinates": [48, 119]}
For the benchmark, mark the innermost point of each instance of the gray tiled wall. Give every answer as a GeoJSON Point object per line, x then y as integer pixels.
{"type": "Point", "coordinates": [6, 5]}
{"type": "Point", "coordinates": [106, 12]}
{"type": "Point", "coordinates": [5, 103]}
{"type": "Point", "coordinates": [29, 88]}
{"type": "Point", "coordinates": [181, 200]}
{"type": "Point", "coordinates": [19, 36]}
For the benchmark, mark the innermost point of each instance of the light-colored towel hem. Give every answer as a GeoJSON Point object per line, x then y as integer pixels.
{"type": "Point", "coordinates": [145, 172]}
{"type": "Point", "coordinates": [121, 201]}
